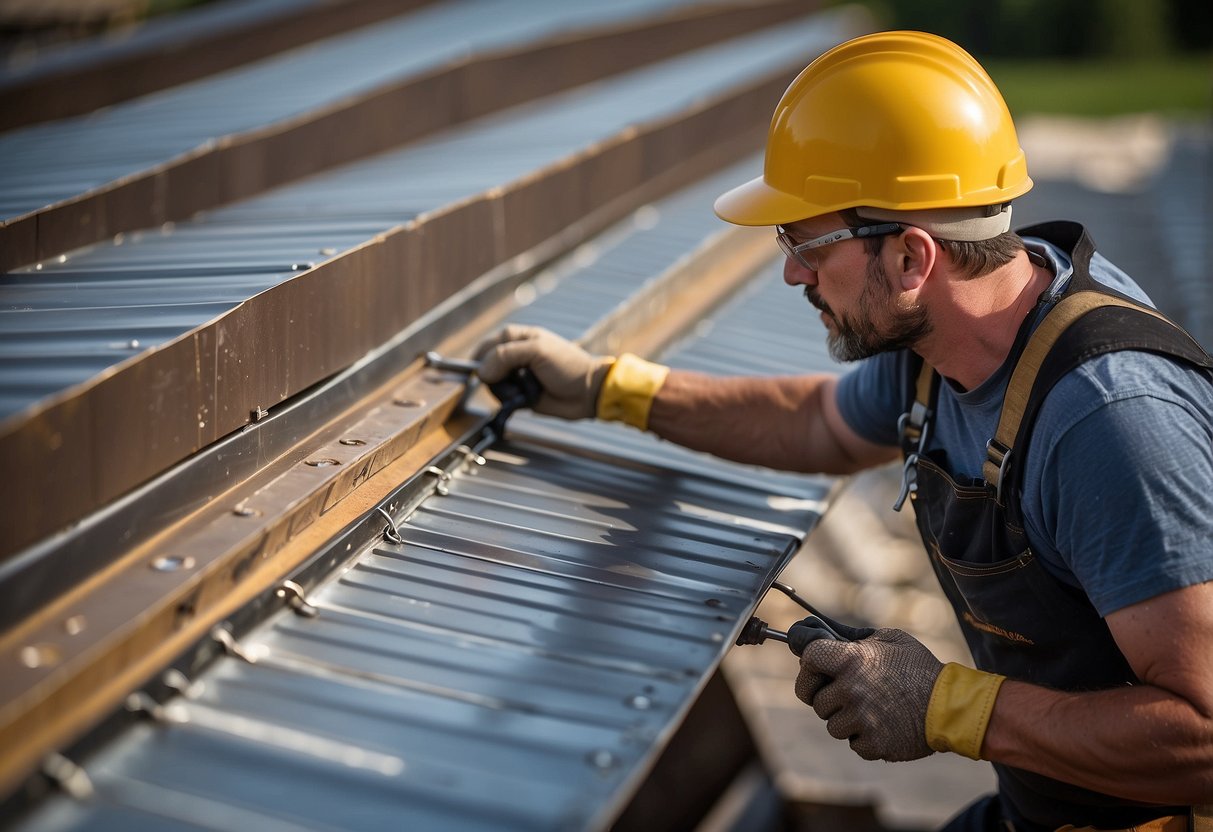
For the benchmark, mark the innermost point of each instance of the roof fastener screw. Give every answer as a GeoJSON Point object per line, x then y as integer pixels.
{"type": "Point", "coordinates": [173, 563]}
{"type": "Point", "coordinates": [245, 511]}
{"type": "Point", "coordinates": [35, 656]}
{"type": "Point", "coordinates": [640, 703]}
{"type": "Point", "coordinates": [602, 759]}
{"type": "Point", "coordinates": [354, 442]}
{"type": "Point", "coordinates": [74, 625]}
{"type": "Point", "coordinates": [322, 462]}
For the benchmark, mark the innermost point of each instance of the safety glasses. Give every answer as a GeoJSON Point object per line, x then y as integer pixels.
{"type": "Point", "coordinates": [797, 251]}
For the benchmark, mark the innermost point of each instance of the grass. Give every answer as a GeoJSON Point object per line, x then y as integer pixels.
{"type": "Point", "coordinates": [1173, 86]}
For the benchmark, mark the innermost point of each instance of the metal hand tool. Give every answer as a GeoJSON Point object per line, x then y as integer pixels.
{"type": "Point", "coordinates": [517, 390]}
{"type": "Point", "coordinates": [756, 630]}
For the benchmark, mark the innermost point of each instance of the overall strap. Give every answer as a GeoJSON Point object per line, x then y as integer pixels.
{"type": "Point", "coordinates": [1040, 366]}
{"type": "Point", "coordinates": [914, 428]}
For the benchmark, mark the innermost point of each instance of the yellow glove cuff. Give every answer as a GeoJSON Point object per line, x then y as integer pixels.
{"type": "Point", "coordinates": [960, 707]}
{"type": "Point", "coordinates": [628, 390]}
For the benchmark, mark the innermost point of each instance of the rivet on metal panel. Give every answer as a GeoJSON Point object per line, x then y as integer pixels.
{"type": "Point", "coordinates": [353, 442]}
{"type": "Point", "coordinates": [328, 251]}
{"type": "Point", "coordinates": [639, 702]}
{"type": "Point", "coordinates": [296, 599]}
{"type": "Point", "coordinates": [71, 779]}
{"type": "Point", "coordinates": [230, 646]}
{"type": "Point", "coordinates": [390, 533]}
{"type": "Point", "coordinates": [74, 625]}
{"type": "Point", "coordinates": [443, 478]}
{"type": "Point", "coordinates": [172, 563]}
{"type": "Point", "coordinates": [301, 267]}
{"type": "Point", "coordinates": [244, 511]}
{"type": "Point", "coordinates": [322, 462]}
{"type": "Point", "coordinates": [35, 656]}
{"type": "Point", "coordinates": [602, 759]}
{"type": "Point", "coordinates": [717, 637]}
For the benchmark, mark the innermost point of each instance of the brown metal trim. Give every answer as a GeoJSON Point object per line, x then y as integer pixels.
{"type": "Point", "coordinates": [239, 166]}
{"type": "Point", "coordinates": [119, 431]}
{"type": "Point", "coordinates": [182, 57]}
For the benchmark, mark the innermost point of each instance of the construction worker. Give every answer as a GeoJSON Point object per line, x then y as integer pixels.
{"type": "Point", "coordinates": [1056, 432]}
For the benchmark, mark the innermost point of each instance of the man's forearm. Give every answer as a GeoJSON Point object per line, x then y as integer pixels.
{"type": "Point", "coordinates": [776, 422]}
{"type": "Point", "coordinates": [1142, 742]}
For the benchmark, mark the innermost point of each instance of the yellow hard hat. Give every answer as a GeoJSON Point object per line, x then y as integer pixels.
{"type": "Point", "coordinates": [903, 121]}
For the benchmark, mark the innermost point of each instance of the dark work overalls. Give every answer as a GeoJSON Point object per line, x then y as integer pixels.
{"type": "Point", "coordinates": [1020, 621]}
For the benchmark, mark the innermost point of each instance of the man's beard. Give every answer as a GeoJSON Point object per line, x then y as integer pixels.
{"type": "Point", "coordinates": [864, 335]}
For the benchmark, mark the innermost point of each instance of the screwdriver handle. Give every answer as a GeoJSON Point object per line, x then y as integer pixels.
{"type": "Point", "coordinates": [518, 389]}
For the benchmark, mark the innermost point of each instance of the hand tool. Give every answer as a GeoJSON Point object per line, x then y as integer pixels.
{"type": "Point", "coordinates": [815, 626]}
{"type": "Point", "coordinates": [517, 390]}
{"type": "Point", "coordinates": [756, 631]}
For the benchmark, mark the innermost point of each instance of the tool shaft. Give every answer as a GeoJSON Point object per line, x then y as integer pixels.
{"type": "Point", "coordinates": [452, 365]}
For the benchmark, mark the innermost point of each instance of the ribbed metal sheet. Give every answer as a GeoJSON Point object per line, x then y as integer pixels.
{"type": "Point", "coordinates": [520, 658]}
{"type": "Point", "coordinates": [511, 665]}
{"type": "Point", "coordinates": [67, 321]}
{"type": "Point", "coordinates": [44, 164]}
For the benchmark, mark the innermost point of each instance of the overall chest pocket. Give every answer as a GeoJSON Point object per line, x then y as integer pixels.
{"type": "Point", "coordinates": [995, 583]}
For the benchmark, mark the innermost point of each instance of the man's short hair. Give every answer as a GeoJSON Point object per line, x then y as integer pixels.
{"type": "Point", "coordinates": [974, 257]}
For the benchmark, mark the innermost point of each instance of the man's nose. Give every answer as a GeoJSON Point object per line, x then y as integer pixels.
{"type": "Point", "coordinates": [795, 274]}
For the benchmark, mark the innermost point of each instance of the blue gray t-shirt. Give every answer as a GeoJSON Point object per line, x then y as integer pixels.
{"type": "Point", "coordinates": [1118, 482]}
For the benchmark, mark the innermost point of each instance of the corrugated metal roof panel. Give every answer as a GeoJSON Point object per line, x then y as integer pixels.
{"type": "Point", "coordinates": [226, 256]}
{"type": "Point", "coordinates": [513, 663]}
{"type": "Point", "coordinates": [44, 164]}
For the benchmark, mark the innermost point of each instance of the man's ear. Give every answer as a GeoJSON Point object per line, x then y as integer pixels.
{"type": "Point", "coordinates": [916, 257]}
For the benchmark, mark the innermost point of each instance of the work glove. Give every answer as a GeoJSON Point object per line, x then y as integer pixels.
{"type": "Point", "coordinates": [873, 691]}
{"type": "Point", "coordinates": [576, 384]}
{"type": "Point", "coordinates": [571, 378]}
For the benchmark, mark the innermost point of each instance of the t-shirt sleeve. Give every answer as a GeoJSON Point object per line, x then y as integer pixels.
{"type": "Point", "coordinates": [872, 396]}
{"type": "Point", "coordinates": [1126, 499]}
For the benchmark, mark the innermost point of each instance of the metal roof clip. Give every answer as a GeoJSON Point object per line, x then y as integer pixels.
{"type": "Point", "coordinates": [443, 478]}
{"type": "Point", "coordinates": [72, 779]}
{"type": "Point", "coordinates": [390, 532]}
{"type": "Point", "coordinates": [297, 600]}
{"type": "Point", "coordinates": [230, 646]}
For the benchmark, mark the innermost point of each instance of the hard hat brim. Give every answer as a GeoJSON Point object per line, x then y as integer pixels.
{"type": "Point", "coordinates": [757, 203]}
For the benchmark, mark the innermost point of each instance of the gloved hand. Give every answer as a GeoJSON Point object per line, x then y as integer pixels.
{"type": "Point", "coordinates": [873, 691]}
{"type": "Point", "coordinates": [571, 377]}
